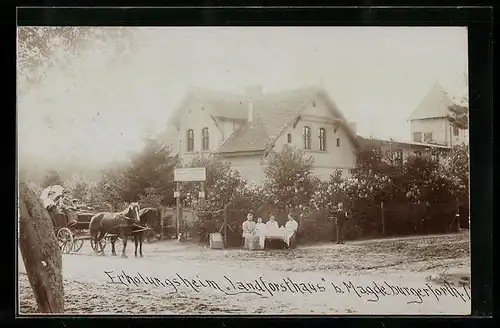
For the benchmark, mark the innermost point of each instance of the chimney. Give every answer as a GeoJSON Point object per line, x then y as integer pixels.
{"type": "Point", "coordinates": [250, 109]}
{"type": "Point", "coordinates": [352, 125]}
{"type": "Point", "coordinates": [253, 91]}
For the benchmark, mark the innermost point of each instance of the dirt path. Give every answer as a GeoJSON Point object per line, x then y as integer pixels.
{"type": "Point", "coordinates": [318, 279]}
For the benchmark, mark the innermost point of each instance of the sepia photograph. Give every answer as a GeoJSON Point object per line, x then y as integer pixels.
{"type": "Point", "coordinates": [243, 171]}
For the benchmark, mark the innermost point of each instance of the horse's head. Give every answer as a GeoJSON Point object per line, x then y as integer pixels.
{"type": "Point", "coordinates": [134, 210]}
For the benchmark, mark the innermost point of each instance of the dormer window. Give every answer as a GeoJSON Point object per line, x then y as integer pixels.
{"type": "Point", "coordinates": [289, 138]}
{"type": "Point", "coordinates": [190, 140]}
{"type": "Point", "coordinates": [307, 137]}
{"type": "Point", "coordinates": [322, 139]}
{"type": "Point", "coordinates": [205, 144]}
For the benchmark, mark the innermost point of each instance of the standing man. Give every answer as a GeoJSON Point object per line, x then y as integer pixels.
{"type": "Point", "coordinates": [340, 219]}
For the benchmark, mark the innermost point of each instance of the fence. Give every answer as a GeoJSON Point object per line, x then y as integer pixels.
{"type": "Point", "coordinates": [366, 220]}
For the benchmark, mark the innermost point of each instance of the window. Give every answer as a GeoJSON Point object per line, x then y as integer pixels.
{"type": "Point", "coordinates": [399, 157]}
{"type": "Point", "coordinates": [417, 136]}
{"type": "Point", "coordinates": [289, 138]}
{"type": "Point", "coordinates": [435, 157]}
{"type": "Point", "coordinates": [307, 137]}
{"type": "Point", "coordinates": [428, 137]}
{"type": "Point", "coordinates": [205, 145]}
{"type": "Point", "coordinates": [190, 140]}
{"type": "Point", "coordinates": [338, 142]}
{"type": "Point", "coordinates": [455, 131]}
{"type": "Point", "coordinates": [322, 139]}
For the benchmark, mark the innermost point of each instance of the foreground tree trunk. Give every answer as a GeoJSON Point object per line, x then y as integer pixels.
{"type": "Point", "coordinates": [40, 252]}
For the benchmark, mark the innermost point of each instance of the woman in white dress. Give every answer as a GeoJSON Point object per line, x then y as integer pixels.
{"type": "Point", "coordinates": [260, 230]}
{"type": "Point", "coordinates": [248, 228]}
{"type": "Point", "coordinates": [291, 227]}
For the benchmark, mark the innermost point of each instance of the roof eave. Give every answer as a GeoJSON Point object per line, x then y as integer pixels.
{"type": "Point", "coordinates": [240, 153]}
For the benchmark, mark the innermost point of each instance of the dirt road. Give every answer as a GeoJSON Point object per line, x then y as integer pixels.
{"type": "Point", "coordinates": [392, 276]}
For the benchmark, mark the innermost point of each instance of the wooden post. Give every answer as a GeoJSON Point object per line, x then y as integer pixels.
{"type": "Point", "coordinates": [383, 217]}
{"type": "Point", "coordinates": [202, 189]}
{"type": "Point", "coordinates": [225, 225]}
{"type": "Point", "coordinates": [161, 223]}
{"type": "Point", "coordinates": [40, 252]}
{"type": "Point", "coordinates": [178, 209]}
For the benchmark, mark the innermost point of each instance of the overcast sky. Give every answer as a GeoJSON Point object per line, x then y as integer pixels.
{"type": "Point", "coordinates": [100, 111]}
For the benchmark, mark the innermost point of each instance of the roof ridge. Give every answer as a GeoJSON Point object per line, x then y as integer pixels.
{"type": "Point", "coordinates": [312, 87]}
{"type": "Point", "coordinates": [215, 92]}
{"type": "Point", "coordinates": [436, 93]}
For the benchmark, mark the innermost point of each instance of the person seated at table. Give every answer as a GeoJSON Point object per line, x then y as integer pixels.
{"type": "Point", "coordinates": [272, 225]}
{"type": "Point", "coordinates": [248, 228]}
{"type": "Point", "coordinates": [291, 227]}
{"type": "Point", "coordinates": [260, 230]}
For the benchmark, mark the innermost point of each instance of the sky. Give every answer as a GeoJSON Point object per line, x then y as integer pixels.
{"type": "Point", "coordinates": [100, 109]}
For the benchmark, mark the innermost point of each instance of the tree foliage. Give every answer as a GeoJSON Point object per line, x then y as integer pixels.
{"type": "Point", "coordinates": [290, 181]}
{"type": "Point", "coordinates": [150, 171]}
{"type": "Point", "coordinates": [459, 116]}
{"type": "Point", "coordinates": [52, 178]}
{"type": "Point", "coordinates": [222, 185]}
{"type": "Point", "coordinates": [39, 48]}
{"type": "Point", "coordinates": [110, 188]}
{"type": "Point", "coordinates": [80, 190]}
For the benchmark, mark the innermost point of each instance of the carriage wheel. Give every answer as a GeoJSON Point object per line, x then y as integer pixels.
{"type": "Point", "coordinates": [98, 248]}
{"type": "Point", "coordinates": [77, 244]}
{"type": "Point", "coordinates": [65, 239]}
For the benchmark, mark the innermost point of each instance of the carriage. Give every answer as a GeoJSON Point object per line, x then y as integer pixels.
{"type": "Point", "coordinates": [71, 226]}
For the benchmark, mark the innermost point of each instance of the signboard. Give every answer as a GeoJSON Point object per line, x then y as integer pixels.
{"type": "Point", "coordinates": [190, 174]}
{"type": "Point", "coordinates": [201, 194]}
{"type": "Point", "coordinates": [177, 194]}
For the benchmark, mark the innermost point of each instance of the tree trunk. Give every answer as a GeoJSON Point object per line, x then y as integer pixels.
{"type": "Point", "coordinates": [40, 252]}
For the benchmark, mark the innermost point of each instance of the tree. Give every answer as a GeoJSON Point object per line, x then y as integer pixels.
{"type": "Point", "coordinates": [151, 172]}
{"type": "Point", "coordinates": [80, 190]}
{"type": "Point", "coordinates": [222, 185]}
{"type": "Point", "coordinates": [40, 252]}
{"type": "Point", "coordinates": [110, 188]}
{"type": "Point", "coordinates": [329, 193]}
{"type": "Point", "coordinates": [151, 197]}
{"type": "Point", "coordinates": [290, 182]}
{"type": "Point", "coordinates": [52, 178]}
{"type": "Point", "coordinates": [41, 47]}
{"type": "Point", "coordinates": [459, 116]}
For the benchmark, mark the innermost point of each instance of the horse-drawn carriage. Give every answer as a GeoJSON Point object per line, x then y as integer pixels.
{"type": "Point", "coordinates": [72, 223]}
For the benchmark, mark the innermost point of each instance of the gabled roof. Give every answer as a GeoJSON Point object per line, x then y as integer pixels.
{"type": "Point", "coordinates": [373, 142]}
{"type": "Point", "coordinates": [251, 137]}
{"type": "Point", "coordinates": [219, 104]}
{"type": "Point", "coordinates": [273, 113]}
{"type": "Point", "coordinates": [434, 105]}
{"type": "Point", "coordinates": [168, 137]}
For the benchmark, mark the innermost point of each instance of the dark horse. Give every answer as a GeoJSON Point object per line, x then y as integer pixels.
{"type": "Point", "coordinates": [120, 224]}
{"type": "Point", "coordinates": [149, 217]}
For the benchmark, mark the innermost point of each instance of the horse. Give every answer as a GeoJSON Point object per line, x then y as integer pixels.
{"type": "Point", "coordinates": [149, 217]}
{"type": "Point", "coordinates": [119, 223]}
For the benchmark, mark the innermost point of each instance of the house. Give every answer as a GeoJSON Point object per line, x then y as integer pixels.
{"type": "Point", "coordinates": [429, 123]}
{"type": "Point", "coordinates": [244, 128]}
{"type": "Point", "coordinates": [400, 150]}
